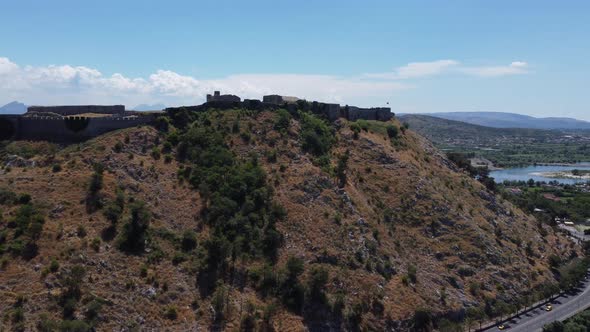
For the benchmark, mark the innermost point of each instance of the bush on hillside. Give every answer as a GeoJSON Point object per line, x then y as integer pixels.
{"type": "Point", "coordinates": [133, 236]}
{"type": "Point", "coordinates": [392, 131]}
{"type": "Point", "coordinates": [316, 135]}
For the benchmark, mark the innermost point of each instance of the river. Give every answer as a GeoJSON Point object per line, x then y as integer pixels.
{"type": "Point", "coordinates": [530, 172]}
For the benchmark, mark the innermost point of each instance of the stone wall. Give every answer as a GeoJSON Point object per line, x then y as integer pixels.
{"type": "Point", "coordinates": [279, 100]}
{"type": "Point", "coordinates": [354, 113]}
{"type": "Point", "coordinates": [79, 109]}
{"type": "Point", "coordinates": [70, 130]}
{"type": "Point", "coordinates": [222, 98]}
{"type": "Point", "coordinates": [329, 111]}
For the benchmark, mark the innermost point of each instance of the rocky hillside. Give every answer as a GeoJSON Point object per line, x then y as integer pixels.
{"type": "Point", "coordinates": [257, 221]}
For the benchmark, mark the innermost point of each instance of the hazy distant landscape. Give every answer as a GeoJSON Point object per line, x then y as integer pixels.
{"type": "Point", "coordinates": [512, 120]}
{"type": "Point", "coordinates": [505, 147]}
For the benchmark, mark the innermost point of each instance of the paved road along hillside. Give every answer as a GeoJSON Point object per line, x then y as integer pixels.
{"type": "Point", "coordinates": [564, 307]}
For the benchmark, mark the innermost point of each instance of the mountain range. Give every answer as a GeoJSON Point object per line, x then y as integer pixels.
{"type": "Point", "coordinates": [512, 120]}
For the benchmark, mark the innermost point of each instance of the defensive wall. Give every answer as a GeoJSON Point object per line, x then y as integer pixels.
{"type": "Point", "coordinates": [64, 130]}
{"type": "Point", "coordinates": [331, 112]}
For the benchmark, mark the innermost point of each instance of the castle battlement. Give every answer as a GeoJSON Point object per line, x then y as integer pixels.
{"type": "Point", "coordinates": [65, 129]}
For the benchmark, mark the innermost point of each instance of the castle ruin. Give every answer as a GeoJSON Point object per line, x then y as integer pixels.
{"type": "Point", "coordinates": [222, 98]}
{"type": "Point", "coordinates": [330, 111]}
{"type": "Point", "coordinates": [67, 124]}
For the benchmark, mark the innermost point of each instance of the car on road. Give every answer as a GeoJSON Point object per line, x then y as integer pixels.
{"type": "Point", "coordinates": [501, 327]}
{"type": "Point", "coordinates": [548, 307]}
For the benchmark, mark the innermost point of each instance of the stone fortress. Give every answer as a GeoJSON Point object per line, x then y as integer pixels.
{"type": "Point", "coordinates": [67, 124]}
{"type": "Point", "coordinates": [76, 123]}
{"type": "Point", "coordinates": [328, 110]}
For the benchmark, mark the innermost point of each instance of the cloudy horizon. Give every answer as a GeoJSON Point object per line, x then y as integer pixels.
{"type": "Point", "coordinates": [521, 57]}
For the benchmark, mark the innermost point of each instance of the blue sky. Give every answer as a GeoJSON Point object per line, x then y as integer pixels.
{"type": "Point", "coordinates": [530, 57]}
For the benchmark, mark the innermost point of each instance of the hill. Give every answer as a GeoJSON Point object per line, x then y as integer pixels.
{"type": "Point", "coordinates": [258, 220]}
{"type": "Point", "coordinates": [503, 146]}
{"type": "Point", "coordinates": [458, 133]}
{"type": "Point", "coordinates": [13, 108]}
{"type": "Point", "coordinates": [512, 120]}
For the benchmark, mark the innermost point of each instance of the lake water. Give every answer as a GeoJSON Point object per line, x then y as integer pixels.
{"type": "Point", "coordinates": [525, 173]}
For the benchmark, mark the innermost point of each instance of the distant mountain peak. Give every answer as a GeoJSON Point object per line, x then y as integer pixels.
{"type": "Point", "coordinates": [13, 107]}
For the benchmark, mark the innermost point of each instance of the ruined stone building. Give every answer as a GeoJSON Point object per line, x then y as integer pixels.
{"type": "Point", "coordinates": [279, 100]}
{"type": "Point", "coordinates": [224, 98]}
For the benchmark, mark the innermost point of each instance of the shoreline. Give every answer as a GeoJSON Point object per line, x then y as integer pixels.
{"type": "Point", "coordinates": [580, 164]}
{"type": "Point", "coordinates": [561, 175]}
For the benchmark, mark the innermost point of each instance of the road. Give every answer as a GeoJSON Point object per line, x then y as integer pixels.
{"type": "Point", "coordinates": [564, 307]}
{"type": "Point", "coordinates": [574, 232]}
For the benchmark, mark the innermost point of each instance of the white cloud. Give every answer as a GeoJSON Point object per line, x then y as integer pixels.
{"type": "Point", "coordinates": [514, 68]}
{"type": "Point", "coordinates": [7, 66]}
{"type": "Point", "coordinates": [65, 84]}
{"type": "Point", "coordinates": [82, 85]}
{"type": "Point", "coordinates": [415, 70]}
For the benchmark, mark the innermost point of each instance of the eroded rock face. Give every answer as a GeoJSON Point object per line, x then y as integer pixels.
{"type": "Point", "coordinates": [17, 161]}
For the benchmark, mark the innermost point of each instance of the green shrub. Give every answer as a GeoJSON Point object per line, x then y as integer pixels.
{"type": "Point", "coordinates": [118, 147]}
{"type": "Point", "coordinates": [96, 179]}
{"type": "Point", "coordinates": [56, 168]}
{"type": "Point", "coordinates": [162, 123]}
{"type": "Point", "coordinates": [155, 153]}
{"type": "Point", "coordinates": [171, 313]}
{"type": "Point", "coordinates": [54, 265]}
{"type": "Point", "coordinates": [283, 120]}
{"type": "Point", "coordinates": [316, 283]}
{"type": "Point", "coordinates": [69, 307]}
{"type": "Point", "coordinates": [81, 231]}
{"type": "Point", "coordinates": [189, 240]}
{"type": "Point", "coordinates": [295, 268]}
{"type": "Point", "coordinates": [112, 212]}
{"type": "Point", "coordinates": [316, 135]}
{"type": "Point", "coordinates": [271, 156]}
{"type": "Point", "coordinates": [392, 131]}
{"type": "Point", "coordinates": [412, 273]}
{"type": "Point", "coordinates": [356, 129]}
{"type": "Point", "coordinates": [341, 169]}
{"type": "Point", "coordinates": [246, 137]}
{"type": "Point", "coordinates": [93, 310]}
{"type": "Point", "coordinates": [134, 231]}
{"type": "Point", "coordinates": [218, 301]}
{"type": "Point", "coordinates": [422, 320]}
{"type": "Point", "coordinates": [178, 258]}
{"type": "Point", "coordinates": [24, 199]}
{"type": "Point", "coordinates": [74, 326]}
{"type": "Point", "coordinates": [93, 201]}
{"type": "Point", "coordinates": [28, 223]}
{"type": "Point", "coordinates": [7, 197]}
{"type": "Point", "coordinates": [95, 244]}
